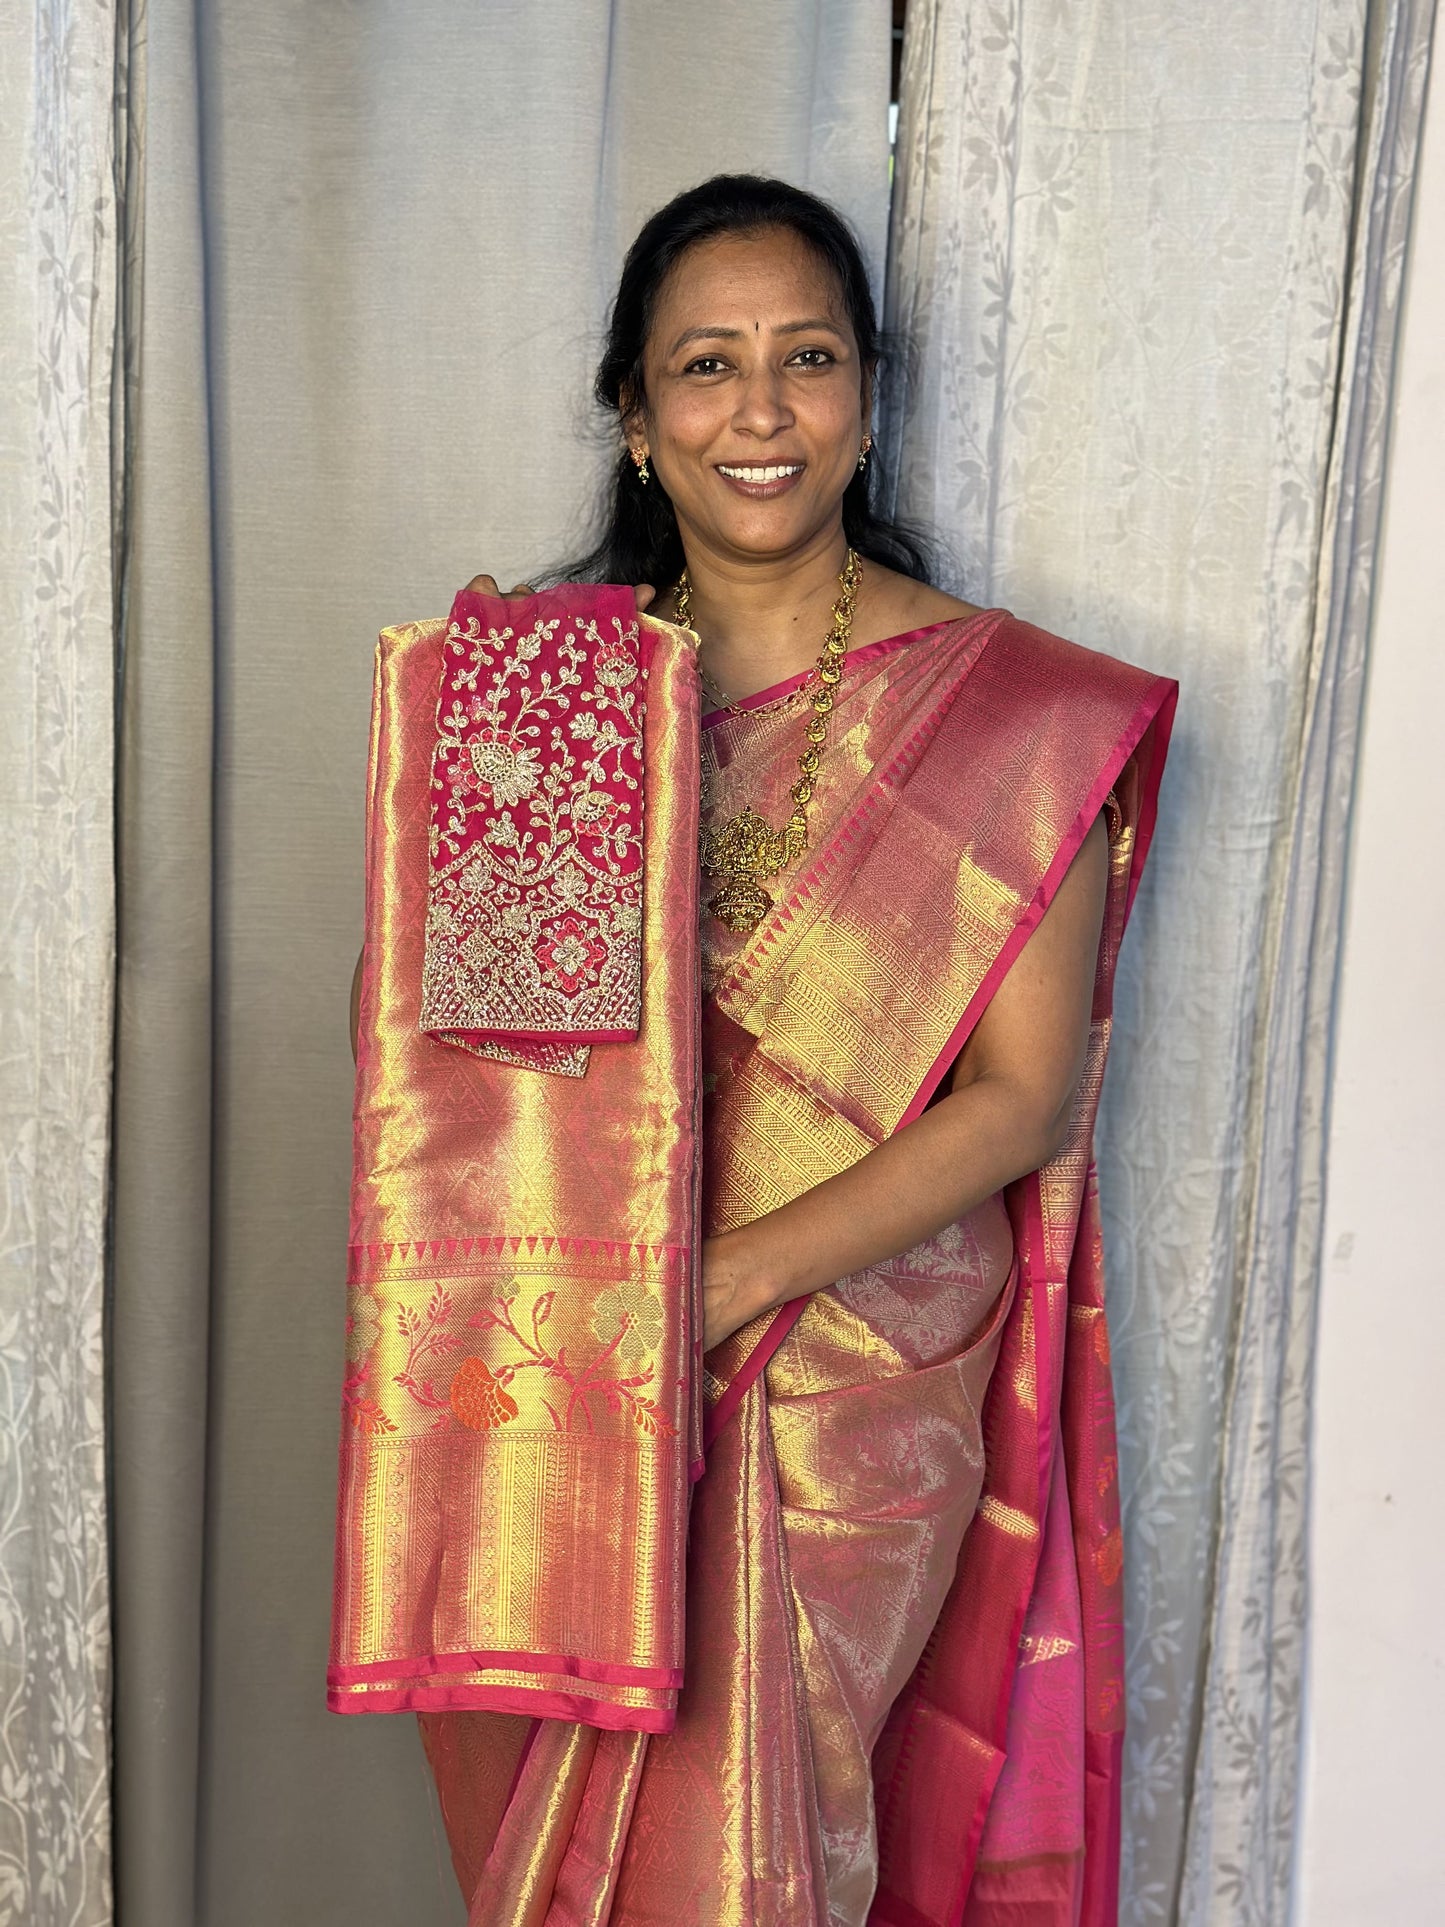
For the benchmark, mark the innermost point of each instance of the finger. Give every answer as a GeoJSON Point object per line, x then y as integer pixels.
{"type": "Point", "coordinates": [483, 585]}
{"type": "Point", "coordinates": [645, 593]}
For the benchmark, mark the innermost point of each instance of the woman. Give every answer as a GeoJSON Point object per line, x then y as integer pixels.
{"type": "Point", "coordinates": [919, 845]}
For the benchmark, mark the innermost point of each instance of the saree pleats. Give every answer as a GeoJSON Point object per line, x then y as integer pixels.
{"type": "Point", "coordinates": [903, 1694]}
{"type": "Point", "coordinates": [878, 1475]}
{"type": "Point", "coordinates": [824, 1539]}
{"type": "Point", "coordinates": [718, 1816]}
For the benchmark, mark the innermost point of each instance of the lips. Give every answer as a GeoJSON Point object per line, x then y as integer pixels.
{"type": "Point", "coordinates": [759, 480]}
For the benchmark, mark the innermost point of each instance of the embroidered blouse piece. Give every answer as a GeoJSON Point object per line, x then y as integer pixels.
{"type": "Point", "coordinates": [534, 911]}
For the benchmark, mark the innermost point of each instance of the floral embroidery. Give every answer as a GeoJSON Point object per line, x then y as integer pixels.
{"type": "Point", "coordinates": [1109, 1557]}
{"type": "Point", "coordinates": [534, 915]}
{"type": "Point", "coordinates": [616, 665]}
{"type": "Point", "coordinates": [570, 954]}
{"type": "Point", "coordinates": [627, 1319]}
{"type": "Point", "coordinates": [631, 1318]}
{"type": "Point", "coordinates": [478, 1398]}
{"type": "Point", "coordinates": [499, 762]}
{"type": "Point", "coordinates": [363, 1409]}
{"type": "Point", "coordinates": [363, 1329]}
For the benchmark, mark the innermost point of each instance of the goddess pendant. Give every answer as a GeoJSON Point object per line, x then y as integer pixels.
{"type": "Point", "coordinates": [740, 853]}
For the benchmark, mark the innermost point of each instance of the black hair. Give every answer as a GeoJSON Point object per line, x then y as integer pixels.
{"type": "Point", "coordinates": [637, 536]}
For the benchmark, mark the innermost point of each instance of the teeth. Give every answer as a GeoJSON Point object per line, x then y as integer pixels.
{"type": "Point", "coordinates": [775, 473]}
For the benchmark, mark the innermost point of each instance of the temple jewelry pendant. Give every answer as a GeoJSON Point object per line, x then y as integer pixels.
{"type": "Point", "coordinates": [740, 853]}
{"type": "Point", "coordinates": [741, 906]}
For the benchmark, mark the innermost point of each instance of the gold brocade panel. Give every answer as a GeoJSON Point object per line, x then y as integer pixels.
{"type": "Point", "coordinates": [521, 1396]}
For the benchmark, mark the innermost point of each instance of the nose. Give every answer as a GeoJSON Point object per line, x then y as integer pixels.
{"type": "Point", "coordinates": [762, 409]}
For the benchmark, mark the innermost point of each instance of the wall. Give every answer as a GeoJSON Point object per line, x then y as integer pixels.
{"type": "Point", "coordinates": [1372, 1842]}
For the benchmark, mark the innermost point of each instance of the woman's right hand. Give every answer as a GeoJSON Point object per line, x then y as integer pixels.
{"type": "Point", "coordinates": [487, 585]}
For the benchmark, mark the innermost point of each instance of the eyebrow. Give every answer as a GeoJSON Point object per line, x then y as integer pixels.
{"type": "Point", "coordinates": [811, 325]}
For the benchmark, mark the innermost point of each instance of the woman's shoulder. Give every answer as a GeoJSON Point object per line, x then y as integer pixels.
{"type": "Point", "coordinates": [895, 604]}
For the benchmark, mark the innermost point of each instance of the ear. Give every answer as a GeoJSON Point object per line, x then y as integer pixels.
{"type": "Point", "coordinates": [632, 411]}
{"type": "Point", "coordinates": [867, 401]}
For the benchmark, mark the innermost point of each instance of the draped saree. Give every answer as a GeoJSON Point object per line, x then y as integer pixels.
{"type": "Point", "coordinates": [901, 1700]}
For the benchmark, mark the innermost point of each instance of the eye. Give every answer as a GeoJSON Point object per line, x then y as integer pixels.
{"type": "Point", "coordinates": [814, 358]}
{"type": "Point", "coordinates": [705, 365]}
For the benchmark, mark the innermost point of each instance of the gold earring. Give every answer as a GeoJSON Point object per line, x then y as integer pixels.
{"type": "Point", "coordinates": [644, 475]}
{"type": "Point", "coordinates": [863, 451]}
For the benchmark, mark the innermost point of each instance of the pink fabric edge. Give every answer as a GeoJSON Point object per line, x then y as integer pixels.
{"type": "Point", "coordinates": [1158, 704]}
{"type": "Point", "coordinates": [975, 1840]}
{"type": "Point", "coordinates": [507, 1699]}
{"type": "Point", "coordinates": [884, 1912]}
{"type": "Point", "coordinates": [1104, 1756]}
{"type": "Point", "coordinates": [868, 653]}
{"type": "Point", "coordinates": [1149, 800]}
{"type": "Point", "coordinates": [780, 1324]}
{"type": "Point", "coordinates": [569, 1665]}
{"type": "Point", "coordinates": [1160, 696]}
{"type": "Point", "coordinates": [1044, 1428]}
{"type": "Point", "coordinates": [447, 1033]}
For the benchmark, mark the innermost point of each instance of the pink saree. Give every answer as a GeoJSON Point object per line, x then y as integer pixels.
{"type": "Point", "coordinates": [901, 1700]}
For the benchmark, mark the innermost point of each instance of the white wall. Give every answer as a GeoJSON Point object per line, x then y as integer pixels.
{"type": "Point", "coordinates": [1372, 1843]}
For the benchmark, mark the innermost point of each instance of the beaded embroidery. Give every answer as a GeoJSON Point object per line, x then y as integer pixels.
{"type": "Point", "coordinates": [534, 919]}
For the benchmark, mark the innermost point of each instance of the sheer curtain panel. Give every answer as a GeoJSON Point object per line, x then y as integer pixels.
{"type": "Point", "coordinates": [1150, 261]}
{"type": "Point", "coordinates": [58, 502]}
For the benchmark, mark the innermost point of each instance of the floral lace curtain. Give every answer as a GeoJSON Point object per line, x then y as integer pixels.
{"type": "Point", "coordinates": [1150, 264]}
{"type": "Point", "coordinates": [58, 244]}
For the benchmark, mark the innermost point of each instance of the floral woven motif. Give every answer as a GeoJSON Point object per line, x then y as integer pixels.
{"type": "Point", "coordinates": [534, 919]}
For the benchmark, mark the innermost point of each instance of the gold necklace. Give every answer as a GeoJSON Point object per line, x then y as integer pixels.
{"type": "Point", "coordinates": [745, 852]}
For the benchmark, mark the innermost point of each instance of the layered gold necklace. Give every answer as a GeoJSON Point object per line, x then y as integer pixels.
{"type": "Point", "coordinates": [746, 852]}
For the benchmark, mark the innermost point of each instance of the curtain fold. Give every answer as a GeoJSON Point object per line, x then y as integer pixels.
{"type": "Point", "coordinates": [160, 1234]}
{"type": "Point", "coordinates": [375, 248]}
{"type": "Point", "coordinates": [1240, 1845]}
{"type": "Point", "coordinates": [1149, 264]}
{"type": "Point", "coordinates": [59, 247]}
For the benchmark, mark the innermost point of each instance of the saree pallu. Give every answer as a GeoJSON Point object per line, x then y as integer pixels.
{"type": "Point", "coordinates": [903, 1690]}
{"type": "Point", "coordinates": [521, 1415]}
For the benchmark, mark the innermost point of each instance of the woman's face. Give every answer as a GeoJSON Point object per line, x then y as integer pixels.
{"type": "Point", "coordinates": [756, 405]}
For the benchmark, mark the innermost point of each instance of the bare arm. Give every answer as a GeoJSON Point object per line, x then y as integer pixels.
{"type": "Point", "coordinates": [1005, 1114]}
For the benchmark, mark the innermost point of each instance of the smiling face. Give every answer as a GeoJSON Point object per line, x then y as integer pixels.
{"type": "Point", "coordinates": [756, 404]}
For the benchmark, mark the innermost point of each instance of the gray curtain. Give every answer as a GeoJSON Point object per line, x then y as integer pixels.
{"type": "Point", "coordinates": [1151, 261]}
{"type": "Point", "coordinates": [372, 249]}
